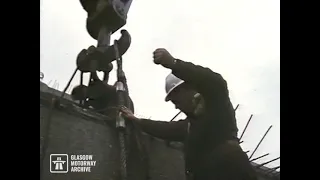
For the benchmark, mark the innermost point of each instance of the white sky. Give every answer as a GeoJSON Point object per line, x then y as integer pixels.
{"type": "Point", "coordinates": [239, 39]}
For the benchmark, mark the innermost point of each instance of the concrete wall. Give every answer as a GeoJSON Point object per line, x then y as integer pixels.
{"type": "Point", "coordinates": [76, 131]}
{"type": "Point", "coordinates": [72, 134]}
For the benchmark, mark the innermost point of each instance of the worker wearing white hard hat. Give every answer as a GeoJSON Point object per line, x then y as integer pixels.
{"type": "Point", "coordinates": [175, 87]}
{"type": "Point", "coordinates": [211, 146]}
{"type": "Point", "coordinates": [172, 82]}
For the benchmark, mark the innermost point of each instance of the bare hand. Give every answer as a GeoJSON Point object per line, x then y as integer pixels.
{"type": "Point", "coordinates": [163, 57]}
{"type": "Point", "coordinates": [127, 113]}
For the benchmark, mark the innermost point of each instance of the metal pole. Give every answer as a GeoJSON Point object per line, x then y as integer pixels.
{"type": "Point", "coordinates": [81, 102]}
{"type": "Point", "coordinates": [259, 157]}
{"type": "Point", "coordinates": [68, 84]}
{"type": "Point", "coordinates": [176, 116]}
{"type": "Point", "coordinates": [260, 142]}
{"type": "Point", "coordinates": [265, 163]}
{"type": "Point", "coordinates": [104, 37]}
{"type": "Point", "coordinates": [235, 109]}
{"type": "Point", "coordinates": [245, 128]}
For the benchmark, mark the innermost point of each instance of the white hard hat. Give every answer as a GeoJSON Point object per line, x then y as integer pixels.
{"type": "Point", "coordinates": [171, 83]}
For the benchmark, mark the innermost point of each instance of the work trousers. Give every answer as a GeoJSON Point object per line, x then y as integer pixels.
{"type": "Point", "coordinates": [226, 162]}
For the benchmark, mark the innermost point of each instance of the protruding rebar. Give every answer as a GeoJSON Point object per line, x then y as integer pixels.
{"type": "Point", "coordinates": [176, 116]}
{"type": "Point", "coordinates": [236, 107]}
{"type": "Point", "coordinates": [260, 142]}
{"type": "Point", "coordinates": [259, 157]}
{"type": "Point", "coordinates": [245, 128]}
{"type": "Point", "coordinates": [69, 82]}
{"type": "Point", "coordinates": [265, 163]}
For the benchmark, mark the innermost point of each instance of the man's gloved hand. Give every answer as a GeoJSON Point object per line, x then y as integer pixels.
{"type": "Point", "coordinates": [163, 57]}
{"type": "Point", "coordinates": [127, 113]}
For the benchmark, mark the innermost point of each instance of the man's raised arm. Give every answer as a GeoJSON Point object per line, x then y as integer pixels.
{"type": "Point", "coordinates": [204, 80]}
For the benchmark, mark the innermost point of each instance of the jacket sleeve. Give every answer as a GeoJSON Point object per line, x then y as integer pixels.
{"type": "Point", "coordinates": [172, 131]}
{"type": "Point", "coordinates": [202, 79]}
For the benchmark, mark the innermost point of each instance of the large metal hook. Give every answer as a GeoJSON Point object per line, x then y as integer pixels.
{"type": "Point", "coordinates": [99, 58]}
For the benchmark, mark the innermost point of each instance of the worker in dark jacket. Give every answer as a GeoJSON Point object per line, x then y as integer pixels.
{"type": "Point", "coordinates": [209, 133]}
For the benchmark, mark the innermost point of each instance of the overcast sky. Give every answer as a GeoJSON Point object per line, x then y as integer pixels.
{"type": "Point", "coordinates": [238, 39]}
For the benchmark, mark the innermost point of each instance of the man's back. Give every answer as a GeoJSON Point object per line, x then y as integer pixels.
{"type": "Point", "coordinates": [212, 150]}
{"type": "Point", "coordinates": [210, 130]}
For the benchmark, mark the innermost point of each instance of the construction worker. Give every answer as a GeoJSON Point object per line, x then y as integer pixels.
{"type": "Point", "coordinates": [209, 133]}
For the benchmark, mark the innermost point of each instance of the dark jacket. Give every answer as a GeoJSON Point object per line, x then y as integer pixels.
{"type": "Point", "coordinates": [212, 129]}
